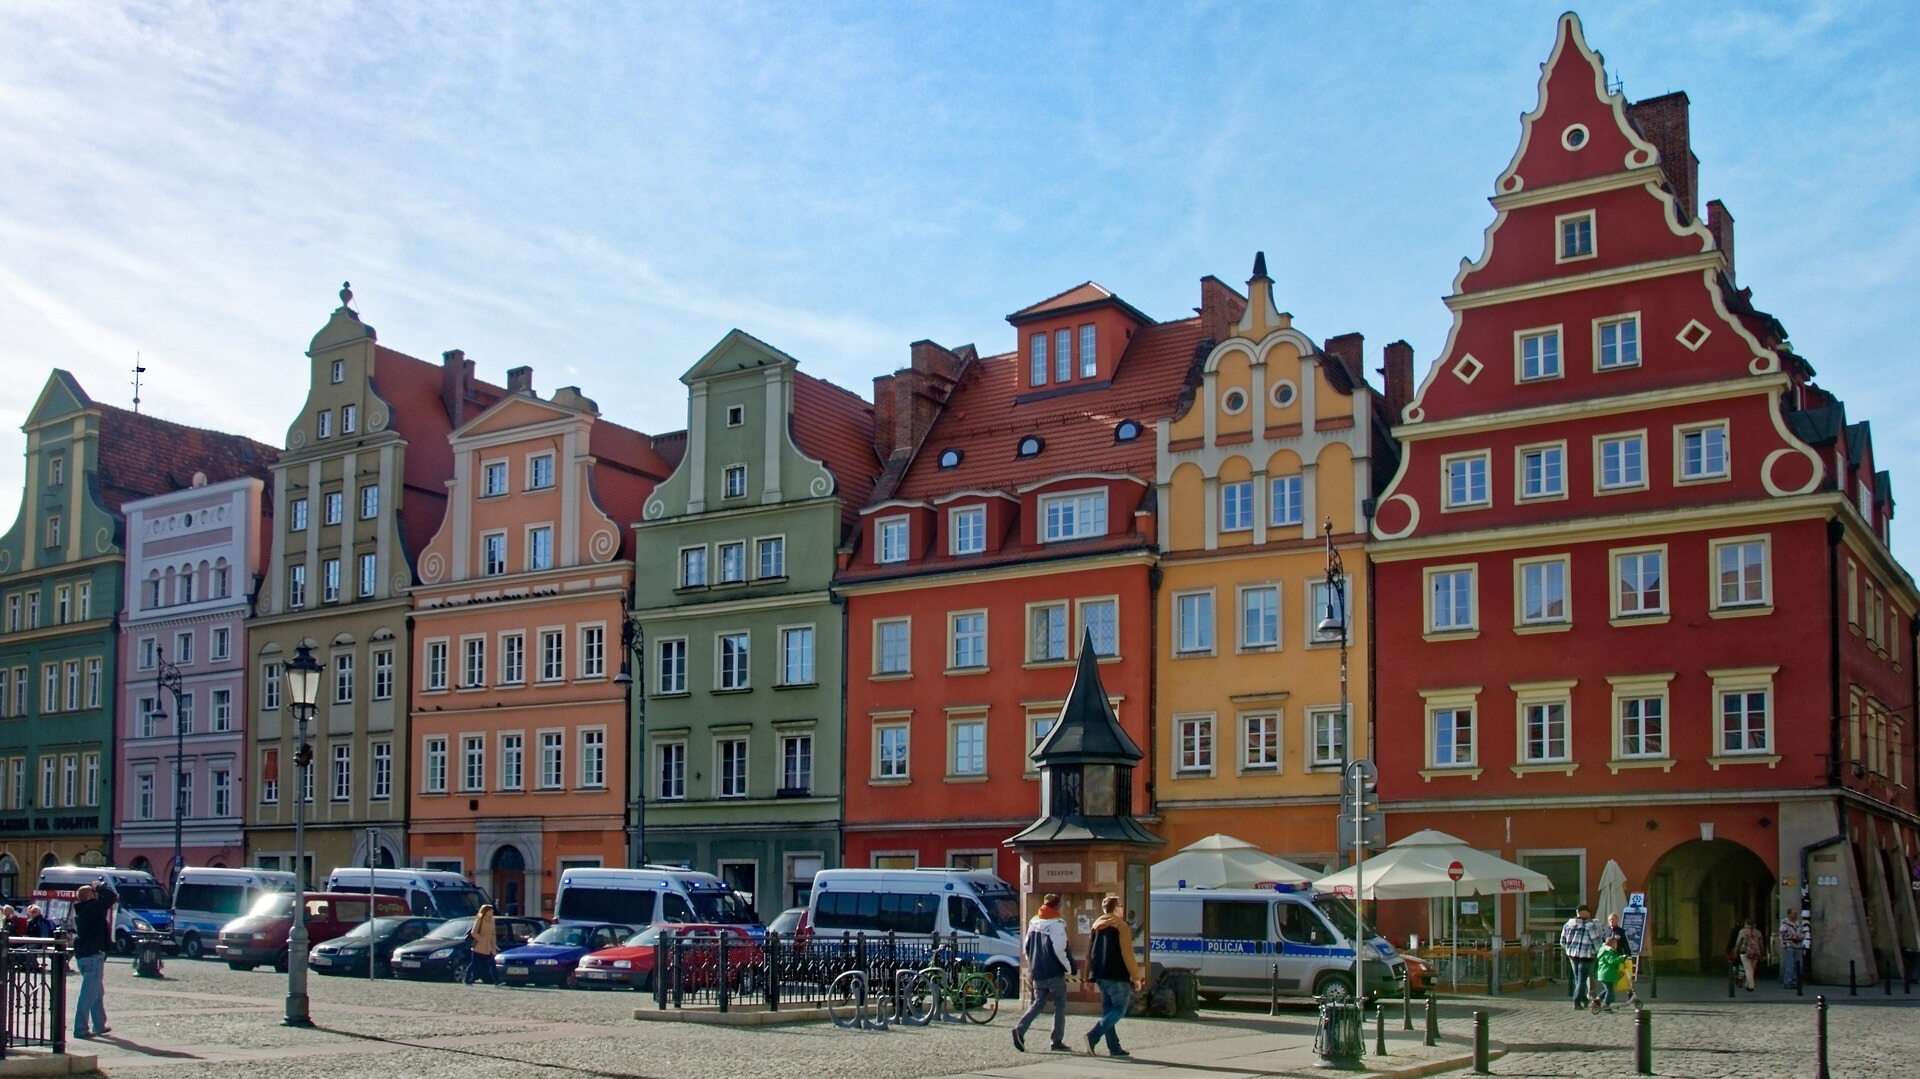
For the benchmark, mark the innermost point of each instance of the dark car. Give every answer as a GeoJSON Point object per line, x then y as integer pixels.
{"type": "Point", "coordinates": [443, 953]}
{"type": "Point", "coordinates": [260, 935]}
{"type": "Point", "coordinates": [348, 952]}
{"type": "Point", "coordinates": [632, 963]}
{"type": "Point", "coordinates": [550, 958]}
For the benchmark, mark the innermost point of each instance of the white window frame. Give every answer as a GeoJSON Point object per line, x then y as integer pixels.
{"type": "Point", "coordinates": [1038, 650]}
{"type": "Point", "coordinates": [1196, 746]}
{"type": "Point", "coordinates": [1082, 515]}
{"type": "Point", "coordinates": [493, 478]}
{"type": "Point", "coordinates": [955, 635]}
{"type": "Point", "coordinates": [534, 463]}
{"type": "Point", "coordinates": [733, 481]}
{"type": "Point", "coordinates": [1716, 573]}
{"type": "Point", "coordinates": [1640, 610]}
{"type": "Point", "coordinates": [1431, 577]}
{"type": "Point", "coordinates": [1545, 451]}
{"type": "Point", "coordinates": [1291, 503]}
{"type": "Point", "coordinates": [892, 539]}
{"type": "Point", "coordinates": [493, 554]}
{"type": "Point", "coordinates": [730, 557]}
{"type": "Point", "coordinates": [593, 650]}
{"type": "Point", "coordinates": [593, 758]}
{"type": "Point", "coordinates": [770, 549]}
{"type": "Point", "coordinates": [1320, 720]}
{"type": "Point", "coordinates": [1083, 624]}
{"type": "Point", "coordinates": [693, 567]}
{"type": "Point", "coordinates": [539, 547]}
{"type": "Point", "coordinates": [880, 656]}
{"type": "Point", "coordinates": [885, 767]}
{"type": "Point", "coordinates": [1560, 254]}
{"type": "Point", "coordinates": [1544, 335]}
{"type": "Point", "coordinates": [1271, 727]}
{"type": "Point", "coordinates": [1614, 322]}
{"type": "Point", "coordinates": [1466, 463]}
{"type": "Point", "coordinates": [1522, 568]}
{"type": "Point", "coordinates": [1531, 699]}
{"type": "Point", "coordinates": [670, 677]}
{"type": "Point", "coordinates": [513, 760]}
{"type": "Point", "coordinates": [438, 658]}
{"type": "Point", "coordinates": [473, 764]}
{"type": "Point", "coordinates": [1600, 445]}
{"type": "Point", "coordinates": [975, 763]}
{"type": "Point", "coordinates": [735, 673]}
{"type": "Point", "coordinates": [1246, 641]}
{"type": "Point", "coordinates": [1744, 681]}
{"type": "Point", "coordinates": [1236, 506]}
{"type": "Point", "coordinates": [807, 675]}
{"type": "Point", "coordinates": [552, 760]}
{"type": "Point", "coordinates": [1194, 631]}
{"type": "Point", "coordinates": [1452, 701]}
{"type": "Point", "coordinates": [967, 523]}
{"type": "Point", "coordinates": [1681, 473]}
{"type": "Point", "coordinates": [1641, 687]}
{"type": "Point", "coordinates": [670, 785]}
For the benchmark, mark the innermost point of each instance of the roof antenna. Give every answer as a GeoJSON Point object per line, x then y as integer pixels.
{"type": "Point", "coordinates": [137, 372]}
{"type": "Point", "coordinates": [1616, 84]}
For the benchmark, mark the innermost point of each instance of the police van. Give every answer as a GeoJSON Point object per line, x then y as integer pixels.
{"type": "Point", "coordinates": [430, 893]}
{"type": "Point", "coordinates": [1234, 938]}
{"type": "Point", "coordinates": [206, 898]}
{"type": "Point", "coordinates": [983, 909]}
{"type": "Point", "coordinates": [143, 906]}
{"type": "Point", "coordinates": [651, 895]}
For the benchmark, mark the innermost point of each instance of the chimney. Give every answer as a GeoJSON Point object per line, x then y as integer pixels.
{"type": "Point", "coordinates": [1397, 374]}
{"type": "Point", "coordinates": [1220, 308]}
{"type": "Point", "coordinates": [1720, 223]}
{"type": "Point", "coordinates": [520, 380]}
{"type": "Point", "coordinates": [883, 416]}
{"type": "Point", "coordinates": [1349, 351]}
{"type": "Point", "coordinates": [1663, 121]}
{"type": "Point", "coordinates": [456, 383]}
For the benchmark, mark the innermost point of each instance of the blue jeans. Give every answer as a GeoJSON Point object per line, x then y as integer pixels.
{"type": "Point", "coordinates": [90, 1013]}
{"type": "Point", "coordinates": [1115, 996]}
{"type": "Point", "coordinates": [1045, 989]}
{"type": "Point", "coordinates": [1581, 981]}
{"type": "Point", "coordinates": [479, 966]}
{"type": "Point", "coordinates": [1790, 965]}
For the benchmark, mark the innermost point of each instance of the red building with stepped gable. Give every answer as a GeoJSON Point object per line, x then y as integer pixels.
{"type": "Point", "coordinates": [1658, 621]}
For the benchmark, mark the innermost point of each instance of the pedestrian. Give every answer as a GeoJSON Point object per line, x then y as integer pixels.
{"type": "Point", "coordinates": [1616, 933]}
{"type": "Point", "coordinates": [1111, 965]}
{"type": "Point", "coordinates": [1751, 946]}
{"type": "Point", "coordinates": [1789, 950]}
{"type": "Point", "coordinates": [483, 943]}
{"type": "Point", "coordinates": [1048, 964]}
{"type": "Point", "coordinates": [92, 932]}
{"type": "Point", "coordinates": [38, 924]}
{"type": "Point", "coordinates": [1606, 972]}
{"type": "Point", "coordinates": [1576, 940]}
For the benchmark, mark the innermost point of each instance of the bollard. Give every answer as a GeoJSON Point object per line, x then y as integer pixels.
{"type": "Point", "coordinates": [1380, 1032]}
{"type": "Point", "coordinates": [1853, 985]}
{"type": "Point", "coordinates": [773, 972]}
{"type": "Point", "coordinates": [1643, 1042]}
{"type": "Point", "coordinates": [1406, 1004]}
{"type": "Point", "coordinates": [1433, 1024]}
{"type": "Point", "coordinates": [722, 976]}
{"type": "Point", "coordinates": [1820, 1037]}
{"type": "Point", "coordinates": [1800, 987]}
{"type": "Point", "coordinates": [1733, 979]}
{"type": "Point", "coordinates": [1273, 989]}
{"type": "Point", "coordinates": [1480, 1043]}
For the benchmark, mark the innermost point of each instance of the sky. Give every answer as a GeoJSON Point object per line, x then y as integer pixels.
{"type": "Point", "coordinates": [602, 190]}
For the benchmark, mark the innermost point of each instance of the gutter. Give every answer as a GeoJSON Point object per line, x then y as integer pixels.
{"type": "Point", "coordinates": [1836, 531]}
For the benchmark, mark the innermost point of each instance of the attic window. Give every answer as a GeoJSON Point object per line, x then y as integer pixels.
{"type": "Point", "coordinates": [1127, 431]}
{"type": "Point", "coordinates": [736, 415]}
{"type": "Point", "coordinates": [950, 458]}
{"type": "Point", "coordinates": [1284, 393]}
{"type": "Point", "coordinates": [1574, 137]}
{"type": "Point", "coordinates": [1234, 401]}
{"type": "Point", "coordinates": [1030, 446]}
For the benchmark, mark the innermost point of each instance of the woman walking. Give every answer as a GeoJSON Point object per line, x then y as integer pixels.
{"type": "Point", "coordinates": [1751, 946]}
{"type": "Point", "coordinates": [484, 944]}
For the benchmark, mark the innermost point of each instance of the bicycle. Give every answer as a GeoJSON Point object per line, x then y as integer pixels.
{"type": "Point", "coordinates": [936, 993]}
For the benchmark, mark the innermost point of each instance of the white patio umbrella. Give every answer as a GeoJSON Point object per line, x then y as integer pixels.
{"type": "Point", "coordinates": [1416, 868]}
{"type": "Point", "coordinates": [1611, 897]}
{"type": "Point", "coordinates": [1222, 861]}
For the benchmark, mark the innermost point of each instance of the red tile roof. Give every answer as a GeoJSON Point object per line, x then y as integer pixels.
{"type": "Point", "coordinates": [1089, 294]}
{"type": "Point", "coordinates": [626, 469]}
{"type": "Point", "coordinates": [142, 456]}
{"type": "Point", "coordinates": [836, 426]}
{"type": "Point", "coordinates": [412, 387]}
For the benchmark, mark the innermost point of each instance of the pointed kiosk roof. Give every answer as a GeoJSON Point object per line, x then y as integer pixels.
{"type": "Point", "coordinates": [1086, 734]}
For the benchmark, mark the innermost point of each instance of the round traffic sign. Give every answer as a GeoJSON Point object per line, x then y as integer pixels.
{"type": "Point", "coordinates": [1456, 871]}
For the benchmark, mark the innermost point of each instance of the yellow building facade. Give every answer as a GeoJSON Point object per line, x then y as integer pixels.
{"type": "Point", "coordinates": [1281, 436]}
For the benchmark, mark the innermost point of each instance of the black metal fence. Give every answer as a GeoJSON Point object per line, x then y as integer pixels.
{"type": "Point", "coordinates": [788, 971]}
{"type": "Point", "coordinates": [33, 992]}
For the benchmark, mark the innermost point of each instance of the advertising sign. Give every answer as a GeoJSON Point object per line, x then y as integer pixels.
{"type": "Point", "coordinates": [1634, 921]}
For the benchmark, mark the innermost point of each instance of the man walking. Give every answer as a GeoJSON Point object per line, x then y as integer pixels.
{"type": "Point", "coordinates": [1048, 963]}
{"type": "Point", "coordinates": [92, 931]}
{"type": "Point", "coordinates": [1576, 940]}
{"type": "Point", "coordinates": [1111, 965]}
{"type": "Point", "coordinates": [1789, 950]}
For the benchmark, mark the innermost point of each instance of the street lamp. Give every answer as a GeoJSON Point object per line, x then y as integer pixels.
{"type": "Point", "coordinates": [168, 678]}
{"type": "Point", "coordinates": [1354, 774]}
{"type": "Point", "coordinates": [303, 688]}
{"type": "Point", "coordinates": [633, 674]}
{"type": "Point", "coordinates": [1334, 626]}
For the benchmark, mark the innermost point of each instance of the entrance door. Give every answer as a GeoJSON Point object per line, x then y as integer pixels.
{"type": "Point", "coordinates": [509, 878]}
{"type": "Point", "coordinates": [743, 877]}
{"type": "Point", "coordinates": [1715, 885]}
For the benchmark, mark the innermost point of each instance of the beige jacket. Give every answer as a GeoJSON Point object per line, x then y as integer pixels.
{"type": "Point", "coordinates": [482, 935]}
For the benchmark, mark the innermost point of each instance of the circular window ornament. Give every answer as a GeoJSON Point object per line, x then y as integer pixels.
{"type": "Point", "coordinates": [1234, 401]}
{"type": "Point", "coordinates": [1284, 393]}
{"type": "Point", "coordinates": [1574, 137]}
{"type": "Point", "coordinates": [1030, 446]}
{"type": "Point", "coordinates": [1127, 431]}
{"type": "Point", "coordinates": [950, 458]}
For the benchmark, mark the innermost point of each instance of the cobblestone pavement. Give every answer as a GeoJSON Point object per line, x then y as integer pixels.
{"type": "Point", "coordinates": [207, 1021]}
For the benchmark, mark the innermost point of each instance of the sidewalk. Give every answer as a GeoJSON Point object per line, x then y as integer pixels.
{"type": "Point", "coordinates": [1287, 1051]}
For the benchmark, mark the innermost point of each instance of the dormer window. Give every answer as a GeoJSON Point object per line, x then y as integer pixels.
{"type": "Point", "coordinates": [1080, 515]}
{"type": "Point", "coordinates": [967, 530]}
{"type": "Point", "coordinates": [1063, 355]}
{"type": "Point", "coordinates": [1126, 431]}
{"type": "Point", "coordinates": [1575, 232]}
{"type": "Point", "coordinates": [1030, 446]}
{"type": "Point", "coordinates": [1089, 354]}
{"type": "Point", "coordinates": [890, 539]}
{"type": "Point", "coordinates": [1037, 361]}
{"type": "Point", "coordinates": [950, 458]}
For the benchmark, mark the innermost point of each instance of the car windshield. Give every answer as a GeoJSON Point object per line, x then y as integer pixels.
{"type": "Point", "coordinates": [1339, 913]}
{"type": "Point", "coordinates": [787, 920]}
{"type": "Point", "coordinates": [142, 897]}
{"type": "Point", "coordinates": [1004, 909]}
{"type": "Point", "coordinates": [722, 908]}
{"type": "Point", "coordinates": [648, 937]}
{"type": "Point", "coordinates": [458, 902]}
{"type": "Point", "coordinates": [453, 930]}
{"type": "Point", "coordinates": [566, 936]}
{"type": "Point", "coordinates": [273, 905]}
{"type": "Point", "coordinates": [382, 927]}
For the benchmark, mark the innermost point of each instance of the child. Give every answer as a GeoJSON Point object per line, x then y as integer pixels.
{"type": "Point", "coordinates": [1606, 970]}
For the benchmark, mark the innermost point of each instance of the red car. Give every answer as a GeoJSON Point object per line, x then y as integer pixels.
{"type": "Point", "coordinates": [260, 935]}
{"type": "Point", "coordinates": [634, 961]}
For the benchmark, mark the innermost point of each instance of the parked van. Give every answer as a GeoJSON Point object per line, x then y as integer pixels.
{"type": "Point", "coordinates": [428, 892]}
{"type": "Point", "coordinates": [983, 909]}
{"type": "Point", "coordinates": [143, 906]}
{"type": "Point", "coordinates": [651, 895]}
{"type": "Point", "coordinates": [1233, 938]}
{"type": "Point", "coordinates": [205, 899]}
{"type": "Point", "coordinates": [261, 934]}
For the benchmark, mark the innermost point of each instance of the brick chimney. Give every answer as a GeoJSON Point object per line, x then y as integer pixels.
{"type": "Point", "coordinates": [1220, 307]}
{"type": "Point", "coordinates": [1720, 223]}
{"type": "Point", "coordinates": [1663, 121]}
{"type": "Point", "coordinates": [1397, 375]}
{"type": "Point", "coordinates": [456, 384]}
{"type": "Point", "coordinates": [906, 403]}
{"type": "Point", "coordinates": [520, 380]}
{"type": "Point", "coordinates": [1349, 351]}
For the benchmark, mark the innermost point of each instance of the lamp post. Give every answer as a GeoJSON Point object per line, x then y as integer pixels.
{"type": "Point", "coordinates": [167, 677]}
{"type": "Point", "coordinates": [1335, 625]}
{"type": "Point", "coordinates": [1353, 773]}
{"type": "Point", "coordinates": [303, 689]}
{"type": "Point", "coordinates": [632, 676]}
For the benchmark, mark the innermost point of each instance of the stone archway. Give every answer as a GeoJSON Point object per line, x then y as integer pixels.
{"type": "Point", "coordinates": [509, 868]}
{"type": "Point", "coordinates": [1702, 891]}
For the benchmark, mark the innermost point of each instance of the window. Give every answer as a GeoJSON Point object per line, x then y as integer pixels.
{"type": "Point", "coordinates": [796, 656]}
{"type": "Point", "coordinates": [969, 635]}
{"type": "Point", "coordinates": [1543, 592]}
{"type": "Point", "coordinates": [1452, 732]}
{"type": "Point", "coordinates": [593, 651]}
{"type": "Point", "coordinates": [733, 562]}
{"type": "Point", "coordinates": [297, 515]}
{"type": "Point", "coordinates": [296, 586]}
{"type": "Point", "coordinates": [1543, 472]}
{"type": "Point", "coordinates": [56, 469]}
{"type": "Point", "coordinates": [306, 784]}
{"type": "Point", "coordinates": [148, 656]}
{"type": "Point", "coordinates": [891, 539]}
{"type": "Point", "coordinates": [1450, 600]}
{"type": "Point", "coordinates": [1547, 911]}
{"type": "Point", "coordinates": [1643, 726]}
{"type": "Point", "coordinates": [967, 747]}
{"type": "Point", "coordinates": [49, 687]}
{"type": "Point", "coordinates": [1576, 236]}
{"type": "Point", "coordinates": [1193, 620]}
{"type": "Point", "coordinates": [730, 761]}
{"type": "Point", "coordinates": [1100, 618]}
{"type": "Point", "coordinates": [142, 797]}
{"type": "Point", "coordinates": [1618, 343]}
{"type": "Point", "coordinates": [890, 752]}
{"type": "Point", "coordinates": [434, 767]}
{"type": "Point", "coordinates": [1466, 480]}
{"type": "Point", "coordinates": [513, 659]}
{"type": "Point", "coordinates": [1260, 616]}
{"type": "Point", "coordinates": [553, 655]}
{"type": "Point", "coordinates": [53, 535]}
{"type": "Point", "coordinates": [473, 756]}
{"type": "Point", "coordinates": [1326, 738]}
{"type": "Point", "coordinates": [1622, 462]}
{"type": "Point", "coordinates": [736, 415]}
{"type": "Point", "coordinates": [383, 674]}
{"type": "Point", "coordinates": [672, 666]}
{"type": "Point", "coordinates": [540, 471]}
{"type": "Point", "coordinates": [1089, 354]}
{"type": "Point", "coordinates": [1062, 355]}
{"type": "Point", "coordinates": [771, 554]}
{"type": "Point", "coordinates": [670, 776]}
{"type": "Point", "coordinates": [382, 771]}
{"type": "Point", "coordinates": [62, 604]}
{"type": "Point", "coordinates": [270, 687]}
{"type": "Point", "coordinates": [436, 665]}
{"type": "Point", "coordinates": [1638, 585]}
{"type": "Point", "coordinates": [1286, 500]}
{"type": "Point", "coordinates": [343, 678]}
{"type": "Point", "coordinates": [342, 772]}
{"type": "Point", "coordinates": [735, 482]}
{"type": "Point", "coordinates": [733, 660]}
{"type": "Point", "coordinates": [1074, 516]}
{"type": "Point", "coordinates": [1538, 354]}
{"type": "Point", "coordinates": [339, 371]}
{"type": "Point", "coordinates": [333, 508]}
{"type": "Point", "coordinates": [323, 424]}
{"type": "Point", "coordinates": [1740, 572]}
{"type": "Point", "coordinates": [796, 764]}
{"type": "Point", "coordinates": [93, 683]}
{"type": "Point", "coordinates": [593, 758]}
{"type": "Point", "coordinates": [270, 777]}
{"type": "Point", "coordinates": [1046, 632]}
{"type": "Point", "coordinates": [1194, 755]}
{"type": "Point", "coordinates": [540, 547]}
{"type": "Point", "coordinates": [693, 567]}
{"type": "Point", "coordinates": [967, 530]}
{"type": "Point", "coordinates": [493, 479]}
{"type": "Point", "coordinates": [369, 568]}
{"type": "Point", "coordinates": [1745, 702]}
{"type": "Point", "coordinates": [1260, 742]}
{"type": "Point", "coordinates": [369, 502]}
{"type": "Point", "coordinates": [513, 761]}
{"type": "Point", "coordinates": [33, 610]}
{"type": "Point", "coordinates": [493, 554]}
{"type": "Point", "coordinates": [1236, 506]}
{"type": "Point", "coordinates": [221, 711]}
{"type": "Point", "coordinates": [1545, 731]}
{"type": "Point", "coordinates": [1703, 452]}
{"type": "Point", "coordinates": [892, 650]}
{"type": "Point", "coordinates": [222, 793]}
{"type": "Point", "coordinates": [1037, 359]}
{"type": "Point", "coordinates": [473, 662]}
{"type": "Point", "coordinates": [330, 581]}
{"type": "Point", "coordinates": [220, 643]}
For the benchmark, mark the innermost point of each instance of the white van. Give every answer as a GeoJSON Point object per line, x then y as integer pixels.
{"type": "Point", "coordinates": [1234, 938]}
{"type": "Point", "coordinates": [983, 909]}
{"type": "Point", "coordinates": [206, 898]}
{"type": "Point", "coordinates": [143, 906]}
{"type": "Point", "coordinates": [650, 895]}
{"type": "Point", "coordinates": [430, 893]}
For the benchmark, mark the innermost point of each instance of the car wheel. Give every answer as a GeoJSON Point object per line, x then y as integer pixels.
{"type": "Point", "coordinates": [1334, 987]}
{"type": "Point", "coordinates": [643, 981]}
{"type": "Point", "coordinates": [123, 942]}
{"type": "Point", "coordinates": [231, 965]}
{"type": "Point", "coordinates": [190, 946]}
{"type": "Point", "coordinates": [280, 961]}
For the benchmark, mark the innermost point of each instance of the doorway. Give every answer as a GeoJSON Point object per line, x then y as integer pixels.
{"type": "Point", "coordinates": [1712, 886]}
{"type": "Point", "coordinates": [742, 877]}
{"type": "Point", "coordinates": [509, 868]}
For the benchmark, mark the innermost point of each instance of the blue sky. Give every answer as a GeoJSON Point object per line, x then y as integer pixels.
{"type": "Point", "coordinates": [601, 191]}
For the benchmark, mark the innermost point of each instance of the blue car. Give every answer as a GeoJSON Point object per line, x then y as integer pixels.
{"type": "Point", "coordinates": [550, 958]}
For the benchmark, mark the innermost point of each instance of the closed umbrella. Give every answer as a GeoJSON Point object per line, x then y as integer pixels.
{"type": "Point", "coordinates": [1612, 894]}
{"type": "Point", "coordinates": [1222, 861]}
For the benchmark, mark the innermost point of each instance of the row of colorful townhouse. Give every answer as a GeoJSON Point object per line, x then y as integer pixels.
{"type": "Point", "coordinates": [1615, 586]}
